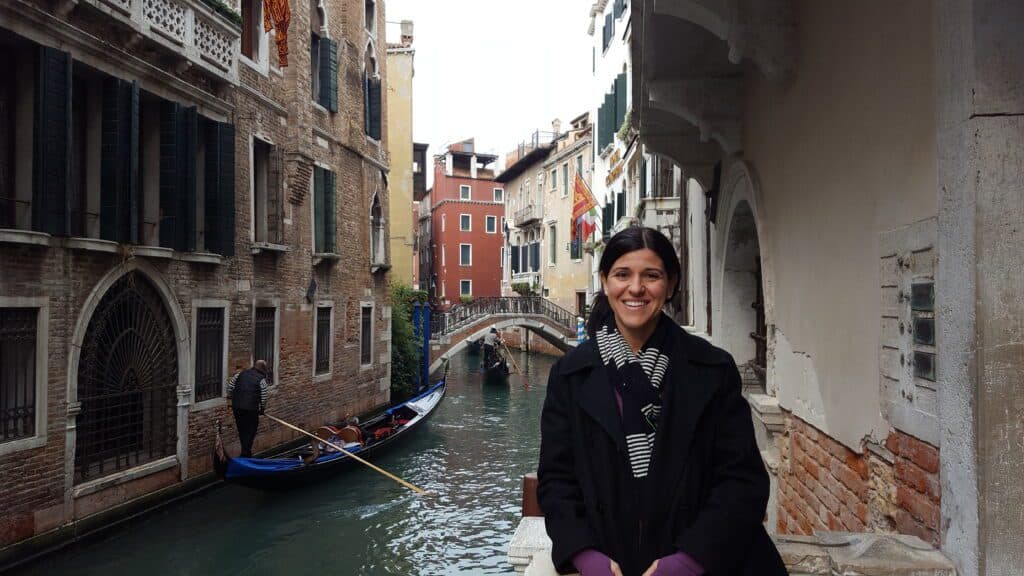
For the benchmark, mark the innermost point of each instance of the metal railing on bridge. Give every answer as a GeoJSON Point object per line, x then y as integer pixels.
{"type": "Point", "coordinates": [462, 315]}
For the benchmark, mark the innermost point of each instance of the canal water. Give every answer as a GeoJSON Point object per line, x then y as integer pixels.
{"type": "Point", "coordinates": [472, 454]}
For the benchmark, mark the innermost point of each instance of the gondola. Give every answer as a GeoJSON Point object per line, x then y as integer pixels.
{"type": "Point", "coordinates": [473, 347]}
{"type": "Point", "coordinates": [315, 460]}
{"type": "Point", "coordinates": [497, 370]}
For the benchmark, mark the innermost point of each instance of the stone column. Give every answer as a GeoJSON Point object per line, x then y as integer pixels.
{"type": "Point", "coordinates": [979, 55]}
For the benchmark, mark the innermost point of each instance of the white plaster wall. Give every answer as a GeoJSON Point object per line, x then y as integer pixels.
{"type": "Point", "coordinates": [843, 152]}
{"type": "Point", "coordinates": [697, 259]}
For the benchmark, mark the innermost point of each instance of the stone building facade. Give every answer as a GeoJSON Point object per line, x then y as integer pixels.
{"type": "Point", "coordinates": [176, 204]}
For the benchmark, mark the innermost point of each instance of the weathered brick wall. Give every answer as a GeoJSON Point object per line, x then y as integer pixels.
{"type": "Point", "coordinates": [823, 485]}
{"type": "Point", "coordinates": [275, 106]}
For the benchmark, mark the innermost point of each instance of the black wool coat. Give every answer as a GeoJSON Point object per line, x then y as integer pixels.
{"type": "Point", "coordinates": [707, 488]}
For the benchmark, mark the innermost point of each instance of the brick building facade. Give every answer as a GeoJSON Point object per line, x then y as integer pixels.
{"type": "Point", "coordinates": [182, 204]}
{"type": "Point", "coordinates": [466, 218]}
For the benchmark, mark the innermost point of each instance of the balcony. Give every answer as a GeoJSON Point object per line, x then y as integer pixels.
{"type": "Point", "coordinates": [528, 215]}
{"type": "Point", "coordinates": [189, 29]}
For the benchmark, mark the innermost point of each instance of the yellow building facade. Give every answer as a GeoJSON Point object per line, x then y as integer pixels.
{"type": "Point", "coordinates": [400, 151]}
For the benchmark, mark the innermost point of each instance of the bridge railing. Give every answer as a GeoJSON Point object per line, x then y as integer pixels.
{"type": "Point", "coordinates": [462, 315]}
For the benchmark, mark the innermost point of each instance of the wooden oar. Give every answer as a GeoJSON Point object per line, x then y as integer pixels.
{"type": "Point", "coordinates": [415, 489]}
{"type": "Point", "coordinates": [515, 365]}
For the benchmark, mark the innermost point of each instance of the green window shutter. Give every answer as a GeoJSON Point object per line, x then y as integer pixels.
{"type": "Point", "coordinates": [50, 210]}
{"type": "Point", "coordinates": [119, 161]}
{"type": "Point", "coordinates": [330, 212]}
{"type": "Point", "coordinates": [620, 100]}
{"type": "Point", "coordinates": [178, 130]}
{"type": "Point", "coordinates": [607, 220]}
{"type": "Point", "coordinates": [275, 200]}
{"type": "Point", "coordinates": [187, 160]}
{"type": "Point", "coordinates": [643, 178]}
{"type": "Point", "coordinates": [170, 166]}
{"type": "Point", "coordinates": [620, 205]}
{"type": "Point", "coordinates": [220, 188]}
{"type": "Point", "coordinates": [609, 119]}
{"type": "Point", "coordinates": [318, 209]}
{"type": "Point", "coordinates": [329, 74]}
{"type": "Point", "coordinates": [366, 103]}
{"type": "Point", "coordinates": [375, 110]}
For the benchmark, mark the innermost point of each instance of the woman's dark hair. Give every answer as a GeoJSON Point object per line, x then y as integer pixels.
{"type": "Point", "coordinates": [629, 240]}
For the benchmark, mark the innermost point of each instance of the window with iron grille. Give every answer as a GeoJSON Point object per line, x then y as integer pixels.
{"type": "Point", "coordinates": [366, 338]}
{"type": "Point", "coordinates": [264, 340]}
{"type": "Point", "coordinates": [127, 381]}
{"type": "Point", "coordinates": [209, 353]}
{"type": "Point", "coordinates": [17, 373]}
{"type": "Point", "coordinates": [323, 340]}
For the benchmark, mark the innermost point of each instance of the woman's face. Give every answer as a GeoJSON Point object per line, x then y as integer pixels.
{"type": "Point", "coordinates": [637, 287]}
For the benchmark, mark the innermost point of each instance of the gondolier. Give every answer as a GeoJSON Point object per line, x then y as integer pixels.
{"type": "Point", "coordinates": [248, 392]}
{"type": "Point", "coordinates": [491, 339]}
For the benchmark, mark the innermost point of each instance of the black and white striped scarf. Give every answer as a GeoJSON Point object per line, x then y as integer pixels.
{"type": "Point", "coordinates": [637, 378]}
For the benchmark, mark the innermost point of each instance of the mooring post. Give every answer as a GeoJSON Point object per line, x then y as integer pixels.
{"type": "Point", "coordinates": [426, 345]}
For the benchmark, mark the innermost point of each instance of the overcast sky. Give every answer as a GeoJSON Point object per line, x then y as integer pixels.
{"type": "Point", "coordinates": [495, 69]}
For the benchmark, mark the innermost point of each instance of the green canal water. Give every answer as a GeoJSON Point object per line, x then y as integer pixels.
{"type": "Point", "coordinates": [472, 454]}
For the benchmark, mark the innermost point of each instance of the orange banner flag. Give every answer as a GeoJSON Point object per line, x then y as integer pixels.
{"type": "Point", "coordinates": [582, 199]}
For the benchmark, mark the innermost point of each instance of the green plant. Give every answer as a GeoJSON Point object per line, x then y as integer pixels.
{"type": "Point", "coordinates": [522, 288]}
{"type": "Point", "coordinates": [224, 10]}
{"type": "Point", "coordinates": [466, 298]}
{"type": "Point", "coordinates": [627, 123]}
{"type": "Point", "coordinates": [405, 350]}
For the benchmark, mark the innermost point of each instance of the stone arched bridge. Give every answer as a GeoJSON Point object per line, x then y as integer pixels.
{"type": "Point", "coordinates": [452, 331]}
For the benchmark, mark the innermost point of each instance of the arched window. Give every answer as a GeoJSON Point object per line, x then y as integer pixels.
{"type": "Point", "coordinates": [371, 93]}
{"type": "Point", "coordinates": [376, 232]}
{"type": "Point", "coordinates": [323, 53]}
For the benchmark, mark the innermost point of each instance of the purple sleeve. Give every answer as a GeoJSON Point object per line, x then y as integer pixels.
{"type": "Point", "coordinates": [590, 562]}
{"type": "Point", "coordinates": [678, 564]}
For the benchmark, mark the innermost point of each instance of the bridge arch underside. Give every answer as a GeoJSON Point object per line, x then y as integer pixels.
{"type": "Point", "coordinates": [452, 345]}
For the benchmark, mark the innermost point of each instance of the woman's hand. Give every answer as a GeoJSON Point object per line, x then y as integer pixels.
{"type": "Point", "coordinates": [678, 564]}
{"type": "Point", "coordinates": [590, 562]}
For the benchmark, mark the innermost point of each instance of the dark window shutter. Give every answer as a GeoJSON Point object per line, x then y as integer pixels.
{"type": "Point", "coordinates": [275, 209]}
{"type": "Point", "coordinates": [375, 111]}
{"type": "Point", "coordinates": [220, 188]}
{"type": "Point", "coordinates": [620, 205]}
{"type": "Point", "coordinates": [609, 116]}
{"type": "Point", "coordinates": [170, 179]}
{"type": "Point", "coordinates": [620, 100]}
{"type": "Point", "coordinates": [535, 256]}
{"type": "Point", "coordinates": [187, 159]}
{"type": "Point", "coordinates": [329, 74]}
{"type": "Point", "coordinates": [50, 210]}
{"type": "Point", "coordinates": [366, 103]}
{"type": "Point", "coordinates": [119, 161]}
{"type": "Point", "coordinates": [607, 220]}
{"type": "Point", "coordinates": [515, 259]}
{"type": "Point", "coordinates": [620, 6]}
{"type": "Point", "coordinates": [609, 29]}
{"type": "Point", "coordinates": [330, 212]}
{"type": "Point", "coordinates": [318, 209]}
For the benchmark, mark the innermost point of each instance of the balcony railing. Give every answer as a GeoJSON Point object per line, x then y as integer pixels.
{"type": "Point", "coordinates": [536, 140]}
{"type": "Point", "coordinates": [189, 28]}
{"type": "Point", "coordinates": [528, 214]}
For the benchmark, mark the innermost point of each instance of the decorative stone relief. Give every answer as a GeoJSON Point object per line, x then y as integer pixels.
{"type": "Point", "coordinates": [166, 15]}
{"type": "Point", "coordinates": [214, 45]}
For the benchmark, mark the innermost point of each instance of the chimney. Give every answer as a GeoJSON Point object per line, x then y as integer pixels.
{"type": "Point", "coordinates": [556, 126]}
{"type": "Point", "coordinates": [406, 33]}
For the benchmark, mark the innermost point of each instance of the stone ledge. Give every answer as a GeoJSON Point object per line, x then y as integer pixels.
{"type": "Point", "coordinates": [766, 408]}
{"type": "Point", "coordinates": [824, 554]}
{"type": "Point", "coordinates": [30, 237]}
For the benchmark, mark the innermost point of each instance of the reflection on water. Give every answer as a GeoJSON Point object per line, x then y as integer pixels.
{"type": "Point", "coordinates": [471, 454]}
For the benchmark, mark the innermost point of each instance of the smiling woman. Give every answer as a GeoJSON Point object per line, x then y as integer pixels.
{"type": "Point", "coordinates": [648, 463]}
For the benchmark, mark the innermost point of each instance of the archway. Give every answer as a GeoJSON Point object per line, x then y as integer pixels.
{"type": "Point", "coordinates": [743, 331]}
{"type": "Point", "coordinates": [127, 381]}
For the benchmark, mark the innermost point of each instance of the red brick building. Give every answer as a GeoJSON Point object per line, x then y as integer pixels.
{"type": "Point", "coordinates": [467, 218]}
{"type": "Point", "coordinates": [183, 204]}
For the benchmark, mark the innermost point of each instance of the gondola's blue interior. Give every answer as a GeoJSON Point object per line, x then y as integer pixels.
{"type": "Point", "coordinates": [249, 467]}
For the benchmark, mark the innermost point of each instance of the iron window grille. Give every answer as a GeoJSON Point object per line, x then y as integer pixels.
{"type": "Point", "coordinates": [264, 342]}
{"type": "Point", "coordinates": [323, 340]}
{"type": "Point", "coordinates": [17, 373]}
{"type": "Point", "coordinates": [366, 335]}
{"type": "Point", "coordinates": [209, 353]}
{"type": "Point", "coordinates": [127, 380]}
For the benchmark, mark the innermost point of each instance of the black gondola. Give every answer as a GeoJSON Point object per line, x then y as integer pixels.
{"type": "Point", "coordinates": [473, 347]}
{"type": "Point", "coordinates": [496, 369]}
{"type": "Point", "coordinates": [315, 460]}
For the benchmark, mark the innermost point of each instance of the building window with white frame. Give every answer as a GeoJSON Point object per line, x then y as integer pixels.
{"type": "Point", "coordinates": [465, 287]}
{"type": "Point", "coordinates": [209, 353]}
{"type": "Point", "coordinates": [22, 399]}
{"type": "Point", "coordinates": [266, 192]}
{"type": "Point", "coordinates": [252, 29]}
{"type": "Point", "coordinates": [499, 195]}
{"type": "Point", "coordinates": [552, 244]}
{"type": "Point", "coordinates": [323, 338]}
{"type": "Point", "coordinates": [443, 219]}
{"type": "Point", "coordinates": [465, 223]}
{"type": "Point", "coordinates": [491, 224]}
{"type": "Point", "coordinates": [366, 335]}
{"type": "Point", "coordinates": [554, 178]}
{"type": "Point", "coordinates": [465, 192]}
{"type": "Point", "coordinates": [265, 339]}
{"type": "Point", "coordinates": [565, 180]}
{"type": "Point", "coordinates": [465, 254]}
